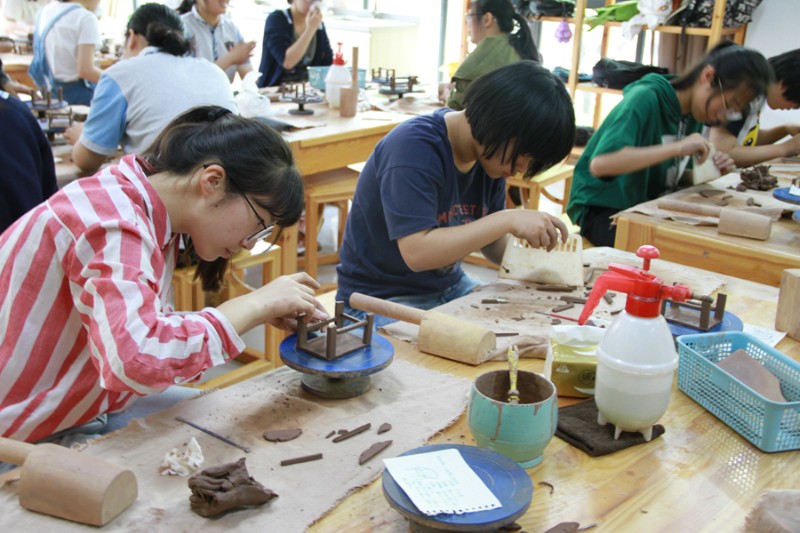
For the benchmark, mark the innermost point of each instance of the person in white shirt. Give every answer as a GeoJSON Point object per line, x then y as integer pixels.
{"type": "Point", "coordinates": [215, 37]}
{"type": "Point", "coordinates": [65, 38]}
{"type": "Point", "coordinates": [138, 96]}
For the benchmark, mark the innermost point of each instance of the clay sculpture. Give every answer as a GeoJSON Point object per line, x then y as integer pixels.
{"type": "Point", "coordinates": [224, 488]}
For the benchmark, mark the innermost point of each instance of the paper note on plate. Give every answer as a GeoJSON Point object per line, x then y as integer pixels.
{"type": "Point", "coordinates": [441, 482]}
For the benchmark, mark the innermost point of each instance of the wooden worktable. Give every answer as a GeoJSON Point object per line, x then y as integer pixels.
{"type": "Point", "coordinates": [703, 247]}
{"type": "Point", "coordinates": [700, 476]}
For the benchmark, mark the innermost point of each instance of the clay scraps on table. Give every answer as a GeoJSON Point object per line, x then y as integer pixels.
{"type": "Point", "coordinates": [344, 434]}
{"type": "Point", "coordinates": [386, 426]}
{"type": "Point", "coordinates": [302, 459]}
{"type": "Point", "coordinates": [282, 435]}
{"type": "Point", "coordinates": [372, 451]}
{"type": "Point", "coordinates": [224, 488]}
{"type": "Point", "coordinates": [757, 178]}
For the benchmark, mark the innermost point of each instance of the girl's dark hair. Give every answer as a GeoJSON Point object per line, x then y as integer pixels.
{"type": "Point", "coordinates": [506, 16]}
{"type": "Point", "coordinates": [162, 28]}
{"type": "Point", "coordinates": [733, 66]}
{"type": "Point", "coordinates": [257, 160]}
{"type": "Point", "coordinates": [786, 67]}
{"type": "Point", "coordinates": [525, 107]}
{"type": "Point", "coordinates": [185, 6]}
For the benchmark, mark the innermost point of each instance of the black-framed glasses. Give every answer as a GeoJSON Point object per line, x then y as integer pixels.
{"type": "Point", "coordinates": [468, 15]}
{"type": "Point", "coordinates": [730, 115]}
{"type": "Point", "coordinates": [266, 229]}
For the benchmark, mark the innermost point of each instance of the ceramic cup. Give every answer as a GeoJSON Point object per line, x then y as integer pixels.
{"type": "Point", "coordinates": [518, 431]}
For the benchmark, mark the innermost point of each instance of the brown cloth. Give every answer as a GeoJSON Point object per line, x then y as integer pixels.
{"type": "Point", "coordinates": [577, 425]}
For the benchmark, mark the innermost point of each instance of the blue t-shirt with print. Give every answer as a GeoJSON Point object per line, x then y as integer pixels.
{"type": "Point", "coordinates": [410, 184]}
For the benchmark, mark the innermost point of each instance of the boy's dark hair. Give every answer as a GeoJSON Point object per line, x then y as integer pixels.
{"type": "Point", "coordinates": [257, 160]}
{"type": "Point", "coordinates": [733, 66]}
{"type": "Point", "coordinates": [506, 16]}
{"type": "Point", "coordinates": [161, 26]}
{"type": "Point", "coordinates": [786, 67]}
{"type": "Point", "coordinates": [185, 6]}
{"type": "Point", "coordinates": [525, 107]}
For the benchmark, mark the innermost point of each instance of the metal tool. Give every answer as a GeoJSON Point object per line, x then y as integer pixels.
{"type": "Point", "coordinates": [213, 434]}
{"type": "Point", "coordinates": [513, 366]}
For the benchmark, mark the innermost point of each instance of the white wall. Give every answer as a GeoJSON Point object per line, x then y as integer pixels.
{"type": "Point", "coordinates": [774, 29]}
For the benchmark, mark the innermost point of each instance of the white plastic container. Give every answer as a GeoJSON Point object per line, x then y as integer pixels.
{"type": "Point", "coordinates": [338, 77]}
{"type": "Point", "coordinates": [636, 359]}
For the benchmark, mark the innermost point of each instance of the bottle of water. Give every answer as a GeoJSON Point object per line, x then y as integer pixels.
{"type": "Point", "coordinates": [337, 78]}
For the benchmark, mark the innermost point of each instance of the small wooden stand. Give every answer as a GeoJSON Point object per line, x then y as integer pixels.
{"type": "Point", "coordinates": [301, 99]}
{"type": "Point", "coordinates": [333, 344]}
{"type": "Point", "coordinates": [787, 317]}
{"type": "Point", "coordinates": [699, 314]}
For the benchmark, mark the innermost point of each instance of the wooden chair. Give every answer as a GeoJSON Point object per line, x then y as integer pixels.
{"type": "Point", "coordinates": [336, 187]}
{"type": "Point", "coordinates": [536, 186]}
{"type": "Point", "coordinates": [187, 292]}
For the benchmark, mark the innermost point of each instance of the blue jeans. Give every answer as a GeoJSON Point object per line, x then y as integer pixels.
{"type": "Point", "coordinates": [421, 301]}
{"type": "Point", "coordinates": [106, 423]}
{"type": "Point", "coordinates": [77, 92]}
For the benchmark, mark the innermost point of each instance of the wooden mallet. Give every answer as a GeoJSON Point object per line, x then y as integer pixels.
{"type": "Point", "coordinates": [439, 334]}
{"type": "Point", "coordinates": [60, 482]}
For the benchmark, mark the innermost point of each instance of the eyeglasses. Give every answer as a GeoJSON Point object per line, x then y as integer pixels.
{"type": "Point", "coordinates": [468, 15]}
{"type": "Point", "coordinates": [730, 115]}
{"type": "Point", "coordinates": [266, 230]}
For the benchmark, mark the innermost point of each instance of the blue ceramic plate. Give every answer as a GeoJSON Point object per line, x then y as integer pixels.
{"type": "Point", "coordinates": [796, 216]}
{"type": "Point", "coordinates": [506, 479]}
{"type": "Point", "coordinates": [782, 193]}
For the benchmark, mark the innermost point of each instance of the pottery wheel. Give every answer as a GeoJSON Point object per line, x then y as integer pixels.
{"type": "Point", "coordinates": [730, 322]}
{"type": "Point", "coordinates": [345, 377]}
{"type": "Point", "coordinates": [506, 479]}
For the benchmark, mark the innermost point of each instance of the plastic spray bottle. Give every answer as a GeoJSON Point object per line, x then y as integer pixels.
{"type": "Point", "coordinates": [337, 78]}
{"type": "Point", "coordinates": [636, 359]}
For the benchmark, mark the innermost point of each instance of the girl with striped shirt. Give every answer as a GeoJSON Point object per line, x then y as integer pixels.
{"type": "Point", "coordinates": [85, 323]}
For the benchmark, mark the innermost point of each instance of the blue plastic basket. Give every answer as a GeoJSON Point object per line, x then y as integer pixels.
{"type": "Point", "coordinates": [771, 426]}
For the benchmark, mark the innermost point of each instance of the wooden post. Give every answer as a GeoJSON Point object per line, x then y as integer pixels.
{"type": "Point", "coordinates": [348, 96]}
{"type": "Point", "coordinates": [787, 317]}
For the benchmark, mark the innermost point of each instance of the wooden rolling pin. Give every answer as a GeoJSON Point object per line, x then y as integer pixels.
{"type": "Point", "coordinates": [67, 484]}
{"type": "Point", "coordinates": [754, 223]}
{"type": "Point", "coordinates": [439, 334]}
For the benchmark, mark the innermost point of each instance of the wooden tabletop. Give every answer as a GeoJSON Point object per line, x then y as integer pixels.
{"type": "Point", "coordinates": [700, 476]}
{"type": "Point", "coordinates": [703, 247]}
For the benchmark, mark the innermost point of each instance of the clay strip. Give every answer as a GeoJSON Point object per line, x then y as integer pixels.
{"type": "Point", "coordinates": [303, 459]}
{"type": "Point", "coordinates": [347, 435]}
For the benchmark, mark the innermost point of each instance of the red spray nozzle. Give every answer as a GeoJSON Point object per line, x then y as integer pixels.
{"type": "Point", "coordinates": [338, 56]}
{"type": "Point", "coordinates": [645, 290]}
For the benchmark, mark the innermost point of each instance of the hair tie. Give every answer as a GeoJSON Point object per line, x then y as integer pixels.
{"type": "Point", "coordinates": [217, 113]}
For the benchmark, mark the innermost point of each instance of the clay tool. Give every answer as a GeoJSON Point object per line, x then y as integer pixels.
{"type": "Point", "coordinates": [556, 315]}
{"type": "Point", "coordinates": [513, 366]}
{"type": "Point", "coordinates": [213, 434]}
{"type": "Point", "coordinates": [561, 265]}
{"type": "Point", "coordinates": [439, 334]}
{"type": "Point", "coordinates": [64, 483]}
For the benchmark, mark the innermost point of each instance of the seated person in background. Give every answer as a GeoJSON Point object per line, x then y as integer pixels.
{"type": "Point", "coordinates": [294, 39]}
{"type": "Point", "coordinates": [12, 87]}
{"type": "Point", "coordinates": [89, 328]}
{"type": "Point", "coordinates": [641, 149]}
{"type": "Point", "coordinates": [29, 175]}
{"type": "Point", "coordinates": [503, 37]}
{"type": "Point", "coordinates": [744, 140]}
{"type": "Point", "coordinates": [433, 190]}
{"type": "Point", "coordinates": [155, 82]}
{"type": "Point", "coordinates": [215, 37]}
{"type": "Point", "coordinates": [63, 49]}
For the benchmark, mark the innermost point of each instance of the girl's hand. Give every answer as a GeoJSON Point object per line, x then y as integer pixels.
{"type": "Point", "coordinates": [724, 162]}
{"type": "Point", "coordinates": [541, 230]}
{"type": "Point", "coordinates": [287, 297]}
{"type": "Point", "coordinates": [313, 19]}
{"type": "Point", "coordinates": [696, 145]}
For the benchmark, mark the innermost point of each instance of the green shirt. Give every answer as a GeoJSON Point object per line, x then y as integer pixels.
{"type": "Point", "coordinates": [649, 114]}
{"type": "Point", "coordinates": [490, 54]}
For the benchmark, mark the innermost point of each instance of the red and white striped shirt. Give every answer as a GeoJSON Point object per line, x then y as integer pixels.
{"type": "Point", "coordinates": [85, 323]}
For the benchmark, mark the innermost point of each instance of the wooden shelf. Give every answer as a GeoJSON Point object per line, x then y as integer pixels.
{"type": "Point", "coordinates": [591, 88]}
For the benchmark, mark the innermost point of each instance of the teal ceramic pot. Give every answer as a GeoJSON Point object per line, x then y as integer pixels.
{"type": "Point", "coordinates": [519, 431]}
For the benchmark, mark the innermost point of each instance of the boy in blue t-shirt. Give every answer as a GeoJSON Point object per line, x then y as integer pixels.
{"type": "Point", "coordinates": [433, 190]}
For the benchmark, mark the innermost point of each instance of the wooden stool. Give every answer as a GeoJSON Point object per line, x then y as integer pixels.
{"type": "Point", "coordinates": [536, 186]}
{"type": "Point", "coordinates": [187, 292]}
{"type": "Point", "coordinates": [335, 187]}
